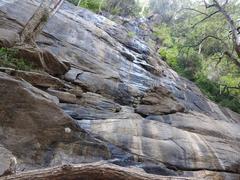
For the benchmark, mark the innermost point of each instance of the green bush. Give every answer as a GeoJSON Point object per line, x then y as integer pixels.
{"type": "Point", "coordinates": [93, 5]}
{"type": "Point", "coordinates": [170, 55]}
{"type": "Point", "coordinates": [8, 58]}
{"type": "Point", "coordinates": [75, 2]}
{"type": "Point", "coordinates": [115, 7]}
{"type": "Point", "coordinates": [164, 33]}
{"type": "Point", "coordinates": [231, 102]}
{"type": "Point", "coordinates": [188, 62]}
{"type": "Point", "coordinates": [213, 91]}
{"type": "Point", "coordinates": [131, 34]}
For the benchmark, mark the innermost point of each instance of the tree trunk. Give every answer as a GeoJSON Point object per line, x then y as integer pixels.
{"type": "Point", "coordinates": [233, 58]}
{"type": "Point", "coordinates": [38, 20]}
{"type": "Point", "coordinates": [94, 171]}
{"type": "Point", "coordinates": [39, 17]}
{"type": "Point", "coordinates": [233, 27]}
{"type": "Point", "coordinates": [79, 3]}
{"type": "Point", "coordinates": [35, 26]}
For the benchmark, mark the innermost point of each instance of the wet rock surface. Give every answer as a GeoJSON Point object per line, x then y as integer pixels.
{"type": "Point", "coordinates": [111, 98]}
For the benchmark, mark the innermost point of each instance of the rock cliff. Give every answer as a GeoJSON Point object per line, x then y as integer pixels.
{"type": "Point", "coordinates": [107, 96]}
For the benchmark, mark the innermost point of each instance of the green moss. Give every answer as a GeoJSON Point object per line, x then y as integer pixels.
{"type": "Point", "coordinates": [131, 34]}
{"type": "Point", "coordinates": [214, 92]}
{"type": "Point", "coordinates": [45, 17]}
{"type": "Point", "coordinates": [8, 58]}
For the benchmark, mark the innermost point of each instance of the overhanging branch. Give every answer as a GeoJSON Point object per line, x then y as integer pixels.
{"type": "Point", "coordinates": [233, 58]}
{"type": "Point", "coordinates": [191, 9]}
{"type": "Point", "coordinates": [205, 18]}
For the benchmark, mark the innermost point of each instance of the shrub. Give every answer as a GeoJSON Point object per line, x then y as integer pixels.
{"type": "Point", "coordinates": [213, 91]}
{"type": "Point", "coordinates": [115, 7]}
{"type": "Point", "coordinates": [131, 34]}
{"type": "Point", "coordinates": [189, 63]}
{"type": "Point", "coordinates": [93, 5]}
{"type": "Point", "coordinates": [8, 58]}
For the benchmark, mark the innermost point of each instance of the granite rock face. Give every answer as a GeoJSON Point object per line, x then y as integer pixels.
{"type": "Point", "coordinates": [158, 101]}
{"type": "Point", "coordinates": [36, 130]}
{"type": "Point", "coordinates": [128, 106]}
{"type": "Point", "coordinates": [8, 37]}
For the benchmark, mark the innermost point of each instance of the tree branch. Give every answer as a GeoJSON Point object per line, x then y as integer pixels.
{"type": "Point", "coordinates": [207, 37]}
{"type": "Point", "coordinates": [232, 58]}
{"type": "Point", "coordinates": [208, 5]}
{"type": "Point", "coordinates": [191, 9]}
{"type": "Point", "coordinates": [226, 2]}
{"type": "Point", "coordinates": [208, 16]}
{"type": "Point", "coordinates": [38, 20]}
{"type": "Point", "coordinates": [92, 171]}
{"type": "Point", "coordinates": [230, 87]}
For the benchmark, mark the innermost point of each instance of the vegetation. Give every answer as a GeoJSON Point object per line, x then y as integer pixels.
{"type": "Point", "coordinates": [8, 58]}
{"type": "Point", "coordinates": [115, 7]}
{"type": "Point", "coordinates": [202, 47]}
{"type": "Point", "coordinates": [131, 34]}
{"type": "Point", "coordinates": [93, 5]}
{"type": "Point", "coordinates": [197, 38]}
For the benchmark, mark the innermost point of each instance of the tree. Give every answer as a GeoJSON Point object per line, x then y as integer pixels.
{"type": "Point", "coordinates": [220, 7]}
{"type": "Point", "coordinates": [116, 7]}
{"type": "Point", "coordinates": [198, 43]}
{"type": "Point", "coordinates": [167, 9]}
{"type": "Point", "coordinates": [36, 23]}
{"type": "Point", "coordinates": [33, 28]}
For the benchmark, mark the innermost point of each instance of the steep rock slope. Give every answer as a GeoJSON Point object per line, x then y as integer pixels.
{"type": "Point", "coordinates": [36, 131]}
{"type": "Point", "coordinates": [123, 97]}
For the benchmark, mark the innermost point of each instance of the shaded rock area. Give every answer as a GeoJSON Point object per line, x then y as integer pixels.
{"type": "Point", "coordinates": [104, 95]}
{"type": "Point", "coordinates": [5, 156]}
{"type": "Point", "coordinates": [38, 79]}
{"type": "Point", "coordinates": [158, 101]}
{"type": "Point", "coordinates": [45, 60]}
{"type": "Point", "coordinates": [36, 130]}
{"type": "Point", "coordinates": [8, 38]}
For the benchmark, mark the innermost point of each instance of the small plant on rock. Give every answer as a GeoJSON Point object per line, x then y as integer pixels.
{"type": "Point", "coordinates": [8, 58]}
{"type": "Point", "coordinates": [131, 34]}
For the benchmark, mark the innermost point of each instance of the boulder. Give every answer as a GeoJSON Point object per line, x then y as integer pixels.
{"type": "Point", "coordinates": [76, 90]}
{"type": "Point", "coordinates": [8, 38]}
{"type": "Point", "coordinates": [38, 79]}
{"type": "Point", "coordinates": [199, 123]}
{"type": "Point", "coordinates": [5, 160]}
{"type": "Point", "coordinates": [45, 60]}
{"type": "Point", "coordinates": [178, 148]}
{"type": "Point", "coordinates": [159, 101]}
{"type": "Point", "coordinates": [34, 129]}
{"type": "Point", "coordinates": [99, 102]}
{"type": "Point", "coordinates": [122, 93]}
{"type": "Point", "coordinates": [94, 106]}
{"type": "Point", "coordinates": [64, 97]}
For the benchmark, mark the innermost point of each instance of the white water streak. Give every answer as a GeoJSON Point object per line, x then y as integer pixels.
{"type": "Point", "coordinates": [4, 2]}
